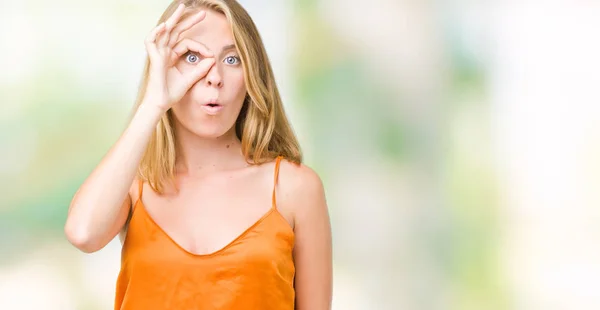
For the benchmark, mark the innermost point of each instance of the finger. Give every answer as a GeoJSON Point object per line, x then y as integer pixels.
{"type": "Point", "coordinates": [186, 45]}
{"type": "Point", "coordinates": [199, 72]}
{"type": "Point", "coordinates": [151, 37]}
{"type": "Point", "coordinates": [191, 77]}
{"type": "Point", "coordinates": [185, 25]}
{"type": "Point", "coordinates": [169, 24]}
{"type": "Point", "coordinates": [150, 41]}
{"type": "Point", "coordinates": [174, 18]}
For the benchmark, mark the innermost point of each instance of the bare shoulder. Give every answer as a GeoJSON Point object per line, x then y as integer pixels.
{"type": "Point", "coordinates": [301, 190]}
{"type": "Point", "coordinates": [295, 179]}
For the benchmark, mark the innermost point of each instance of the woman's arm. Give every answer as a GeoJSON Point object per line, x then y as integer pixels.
{"type": "Point", "coordinates": [302, 192]}
{"type": "Point", "coordinates": [101, 205]}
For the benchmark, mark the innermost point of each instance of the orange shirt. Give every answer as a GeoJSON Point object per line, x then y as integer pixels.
{"type": "Point", "coordinates": [254, 271]}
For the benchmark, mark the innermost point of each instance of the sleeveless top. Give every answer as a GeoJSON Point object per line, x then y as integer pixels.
{"type": "Point", "coordinates": [254, 271]}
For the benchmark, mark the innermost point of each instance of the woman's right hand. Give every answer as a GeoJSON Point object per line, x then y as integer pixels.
{"type": "Point", "coordinates": [166, 84]}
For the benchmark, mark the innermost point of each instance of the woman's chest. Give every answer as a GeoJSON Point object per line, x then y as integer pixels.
{"type": "Point", "coordinates": [206, 216]}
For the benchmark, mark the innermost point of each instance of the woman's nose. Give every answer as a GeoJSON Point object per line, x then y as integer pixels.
{"type": "Point", "coordinates": [213, 78]}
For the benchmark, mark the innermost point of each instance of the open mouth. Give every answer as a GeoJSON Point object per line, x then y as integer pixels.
{"type": "Point", "coordinates": [212, 108]}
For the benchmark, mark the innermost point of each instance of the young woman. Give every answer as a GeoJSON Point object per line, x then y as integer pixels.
{"type": "Point", "coordinates": [206, 186]}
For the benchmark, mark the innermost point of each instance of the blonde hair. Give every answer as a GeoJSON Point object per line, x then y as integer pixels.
{"type": "Point", "coordinates": [262, 125]}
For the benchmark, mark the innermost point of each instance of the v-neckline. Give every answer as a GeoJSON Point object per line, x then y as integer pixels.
{"type": "Point", "coordinates": [140, 205]}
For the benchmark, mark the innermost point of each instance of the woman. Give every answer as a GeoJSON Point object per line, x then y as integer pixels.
{"type": "Point", "coordinates": [206, 186]}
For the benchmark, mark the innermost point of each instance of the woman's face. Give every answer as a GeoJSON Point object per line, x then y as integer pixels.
{"type": "Point", "coordinates": [212, 105]}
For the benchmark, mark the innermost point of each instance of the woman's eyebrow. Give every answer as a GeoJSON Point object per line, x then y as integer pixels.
{"type": "Point", "coordinates": [225, 48]}
{"type": "Point", "coordinates": [228, 47]}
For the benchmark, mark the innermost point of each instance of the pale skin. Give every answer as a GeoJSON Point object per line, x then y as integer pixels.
{"type": "Point", "coordinates": [194, 60]}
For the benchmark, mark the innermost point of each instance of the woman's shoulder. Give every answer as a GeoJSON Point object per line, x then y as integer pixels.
{"type": "Point", "coordinates": [298, 175]}
{"type": "Point", "coordinates": [300, 186]}
{"type": "Point", "coordinates": [293, 179]}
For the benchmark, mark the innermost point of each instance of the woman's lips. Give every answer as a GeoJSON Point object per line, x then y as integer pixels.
{"type": "Point", "coordinates": [212, 108]}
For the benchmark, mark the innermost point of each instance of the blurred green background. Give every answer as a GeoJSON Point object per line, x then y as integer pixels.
{"type": "Point", "coordinates": [457, 140]}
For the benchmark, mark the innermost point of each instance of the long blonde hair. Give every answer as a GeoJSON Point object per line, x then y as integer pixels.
{"type": "Point", "coordinates": [262, 125]}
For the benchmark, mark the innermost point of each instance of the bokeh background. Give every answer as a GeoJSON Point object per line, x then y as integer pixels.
{"type": "Point", "coordinates": [458, 142]}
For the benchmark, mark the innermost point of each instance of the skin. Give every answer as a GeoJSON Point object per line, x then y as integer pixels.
{"type": "Point", "coordinates": [193, 63]}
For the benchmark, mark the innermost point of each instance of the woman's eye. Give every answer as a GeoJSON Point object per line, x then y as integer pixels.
{"type": "Point", "coordinates": [191, 58]}
{"type": "Point", "coordinates": [232, 60]}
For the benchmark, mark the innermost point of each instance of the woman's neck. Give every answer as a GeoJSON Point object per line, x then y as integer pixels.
{"type": "Point", "coordinates": [199, 156]}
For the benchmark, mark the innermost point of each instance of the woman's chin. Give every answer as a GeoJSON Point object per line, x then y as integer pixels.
{"type": "Point", "coordinates": [206, 131]}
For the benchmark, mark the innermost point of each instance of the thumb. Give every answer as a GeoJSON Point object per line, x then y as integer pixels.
{"type": "Point", "coordinates": [199, 72]}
